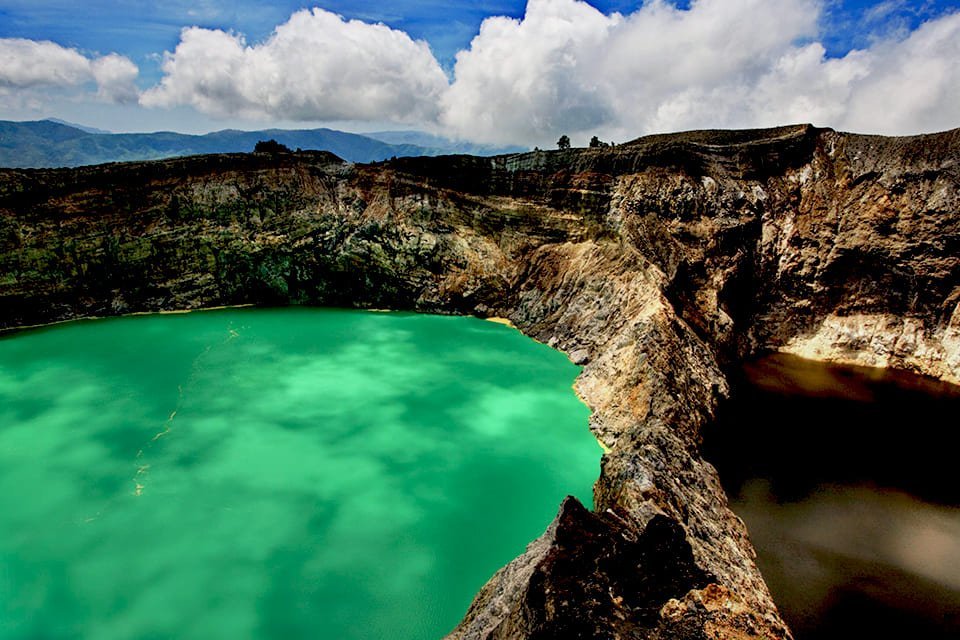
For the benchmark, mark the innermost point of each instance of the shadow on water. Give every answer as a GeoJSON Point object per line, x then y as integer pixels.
{"type": "Point", "coordinates": [275, 473]}
{"type": "Point", "coordinates": [845, 477]}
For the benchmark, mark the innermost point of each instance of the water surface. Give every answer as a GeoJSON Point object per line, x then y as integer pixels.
{"type": "Point", "coordinates": [294, 473]}
{"type": "Point", "coordinates": [846, 479]}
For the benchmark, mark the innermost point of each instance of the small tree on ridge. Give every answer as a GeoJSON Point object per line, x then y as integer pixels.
{"type": "Point", "coordinates": [271, 146]}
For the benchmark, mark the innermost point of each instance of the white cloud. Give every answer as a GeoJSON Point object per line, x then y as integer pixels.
{"type": "Point", "coordinates": [316, 66]}
{"type": "Point", "coordinates": [115, 76]}
{"type": "Point", "coordinates": [882, 11]}
{"type": "Point", "coordinates": [564, 68]}
{"type": "Point", "coordinates": [523, 79]}
{"type": "Point", "coordinates": [28, 67]}
{"type": "Point", "coordinates": [912, 85]}
{"type": "Point", "coordinates": [646, 71]}
{"type": "Point", "coordinates": [568, 68]}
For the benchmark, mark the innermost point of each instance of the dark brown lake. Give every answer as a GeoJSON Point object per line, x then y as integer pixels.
{"type": "Point", "coordinates": [847, 480]}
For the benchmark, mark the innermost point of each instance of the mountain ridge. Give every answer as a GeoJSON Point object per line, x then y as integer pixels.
{"type": "Point", "coordinates": [50, 143]}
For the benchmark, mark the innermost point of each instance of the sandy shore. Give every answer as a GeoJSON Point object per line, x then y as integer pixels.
{"type": "Point", "coordinates": [504, 321]}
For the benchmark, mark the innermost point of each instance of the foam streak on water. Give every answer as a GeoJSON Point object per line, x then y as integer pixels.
{"type": "Point", "coordinates": [274, 473]}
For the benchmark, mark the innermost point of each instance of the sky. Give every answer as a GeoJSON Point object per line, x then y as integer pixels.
{"type": "Point", "coordinates": [493, 71]}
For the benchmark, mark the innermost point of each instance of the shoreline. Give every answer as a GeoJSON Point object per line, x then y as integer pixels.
{"type": "Point", "coordinates": [504, 321]}
{"type": "Point", "coordinates": [6, 331]}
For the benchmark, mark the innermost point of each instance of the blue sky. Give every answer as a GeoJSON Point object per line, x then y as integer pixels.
{"type": "Point", "coordinates": [142, 31]}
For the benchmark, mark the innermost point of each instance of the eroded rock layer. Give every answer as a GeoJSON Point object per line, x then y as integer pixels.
{"type": "Point", "coordinates": [654, 264]}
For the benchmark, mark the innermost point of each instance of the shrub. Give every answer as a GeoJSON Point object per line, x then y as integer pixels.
{"type": "Point", "coordinates": [271, 146]}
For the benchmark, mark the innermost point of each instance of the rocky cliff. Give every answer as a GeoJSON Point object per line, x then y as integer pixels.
{"type": "Point", "coordinates": [655, 264]}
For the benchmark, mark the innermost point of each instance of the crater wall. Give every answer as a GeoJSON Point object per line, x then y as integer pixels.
{"type": "Point", "coordinates": [655, 264]}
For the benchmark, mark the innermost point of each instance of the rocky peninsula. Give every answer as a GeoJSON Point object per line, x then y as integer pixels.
{"type": "Point", "coordinates": [657, 265]}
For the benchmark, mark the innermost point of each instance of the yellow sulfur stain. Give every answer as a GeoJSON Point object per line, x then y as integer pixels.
{"type": "Point", "coordinates": [503, 321]}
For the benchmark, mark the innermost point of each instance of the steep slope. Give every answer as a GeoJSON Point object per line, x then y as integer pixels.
{"type": "Point", "coordinates": [654, 264]}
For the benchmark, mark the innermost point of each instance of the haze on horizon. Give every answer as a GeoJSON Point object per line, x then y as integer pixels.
{"type": "Point", "coordinates": [498, 71]}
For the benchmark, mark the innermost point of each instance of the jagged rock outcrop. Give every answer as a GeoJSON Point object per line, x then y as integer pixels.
{"type": "Point", "coordinates": [654, 264]}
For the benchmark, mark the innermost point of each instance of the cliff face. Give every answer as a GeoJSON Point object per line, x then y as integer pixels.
{"type": "Point", "coordinates": [654, 264]}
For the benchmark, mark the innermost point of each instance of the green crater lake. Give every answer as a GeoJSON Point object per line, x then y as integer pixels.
{"type": "Point", "coordinates": [278, 473]}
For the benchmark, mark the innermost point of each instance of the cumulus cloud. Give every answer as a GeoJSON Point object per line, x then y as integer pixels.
{"type": "Point", "coordinates": [27, 66]}
{"type": "Point", "coordinates": [115, 76]}
{"type": "Point", "coordinates": [316, 66]}
{"type": "Point", "coordinates": [531, 77]}
{"type": "Point", "coordinates": [565, 67]}
{"type": "Point", "coordinates": [910, 85]}
{"type": "Point", "coordinates": [642, 72]}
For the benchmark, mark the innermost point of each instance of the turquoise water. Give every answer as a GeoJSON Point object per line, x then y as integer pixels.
{"type": "Point", "coordinates": [289, 473]}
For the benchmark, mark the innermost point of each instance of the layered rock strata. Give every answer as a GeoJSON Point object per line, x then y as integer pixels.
{"type": "Point", "coordinates": [655, 264]}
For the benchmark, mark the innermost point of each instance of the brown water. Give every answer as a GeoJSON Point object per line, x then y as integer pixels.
{"type": "Point", "coordinates": [846, 479]}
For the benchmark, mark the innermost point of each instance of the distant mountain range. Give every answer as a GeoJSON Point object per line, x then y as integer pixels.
{"type": "Point", "coordinates": [51, 143]}
{"type": "Point", "coordinates": [441, 146]}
